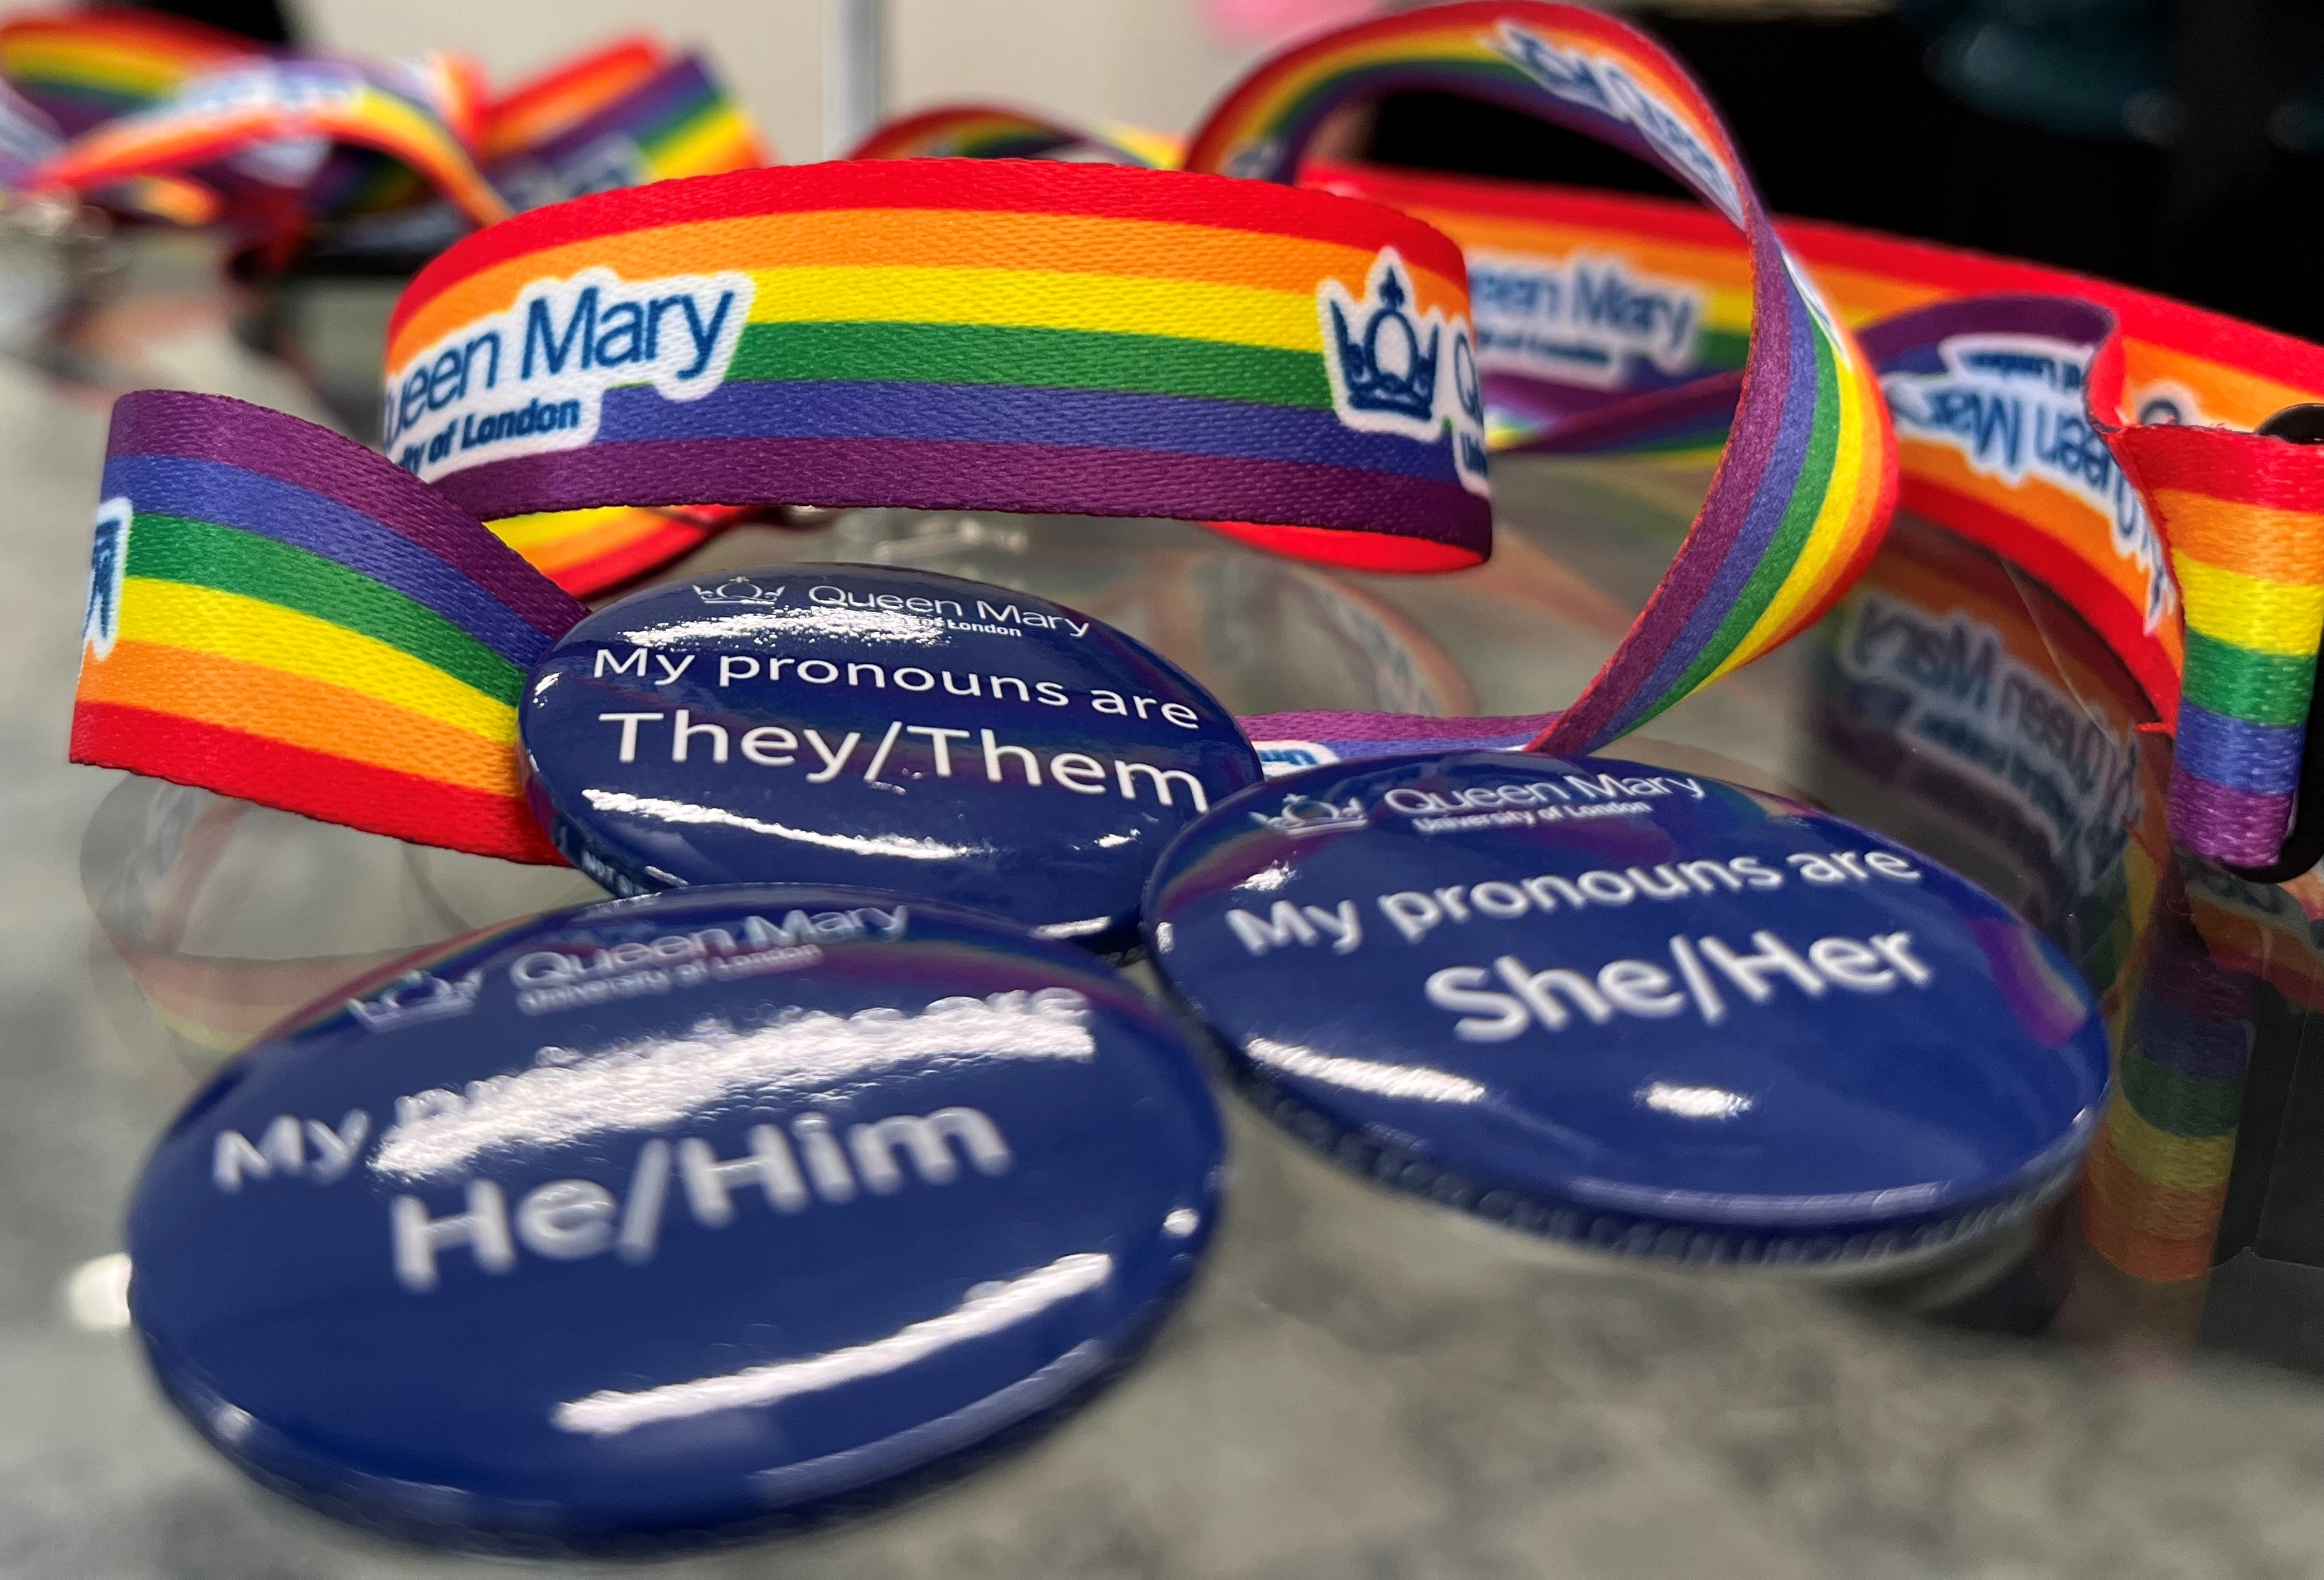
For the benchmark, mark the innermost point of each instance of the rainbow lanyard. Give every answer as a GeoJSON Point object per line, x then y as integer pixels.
{"type": "Point", "coordinates": [175, 120]}
{"type": "Point", "coordinates": [281, 616]}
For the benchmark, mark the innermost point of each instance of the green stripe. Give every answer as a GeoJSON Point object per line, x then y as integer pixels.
{"type": "Point", "coordinates": [1717, 349]}
{"type": "Point", "coordinates": [166, 548]}
{"type": "Point", "coordinates": [2111, 944]}
{"type": "Point", "coordinates": [1057, 359]}
{"type": "Point", "coordinates": [2178, 1104]}
{"type": "Point", "coordinates": [2262, 688]}
{"type": "Point", "coordinates": [677, 120]}
{"type": "Point", "coordinates": [1808, 493]}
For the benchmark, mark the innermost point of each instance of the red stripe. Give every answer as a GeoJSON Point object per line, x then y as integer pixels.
{"type": "Point", "coordinates": [1615, 37]}
{"type": "Point", "coordinates": [2218, 463]}
{"type": "Point", "coordinates": [2118, 623]}
{"type": "Point", "coordinates": [602, 572]}
{"type": "Point", "coordinates": [1667, 220]}
{"type": "Point", "coordinates": [639, 53]}
{"type": "Point", "coordinates": [1005, 185]}
{"type": "Point", "coordinates": [1953, 272]}
{"type": "Point", "coordinates": [332, 790]}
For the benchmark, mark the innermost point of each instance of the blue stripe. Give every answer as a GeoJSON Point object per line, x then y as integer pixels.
{"type": "Point", "coordinates": [2205, 1050]}
{"type": "Point", "coordinates": [2262, 759]}
{"type": "Point", "coordinates": [229, 496]}
{"type": "Point", "coordinates": [1012, 414]}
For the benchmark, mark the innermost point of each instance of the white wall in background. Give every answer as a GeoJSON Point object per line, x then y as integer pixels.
{"type": "Point", "coordinates": [770, 51]}
{"type": "Point", "coordinates": [1148, 62]}
{"type": "Point", "coordinates": [1143, 61]}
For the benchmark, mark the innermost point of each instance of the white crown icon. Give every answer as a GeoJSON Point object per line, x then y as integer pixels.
{"type": "Point", "coordinates": [1304, 814]}
{"type": "Point", "coordinates": [417, 996]}
{"type": "Point", "coordinates": [739, 590]}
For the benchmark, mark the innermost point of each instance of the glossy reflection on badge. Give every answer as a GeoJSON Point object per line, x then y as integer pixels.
{"type": "Point", "coordinates": [869, 726]}
{"type": "Point", "coordinates": [1633, 1009]}
{"type": "Point", "coordinates": [670, 1217]}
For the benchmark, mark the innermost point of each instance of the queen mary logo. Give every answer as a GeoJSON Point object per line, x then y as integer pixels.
{"type": "Point", "coordinates": [1395, 371]}
{"type": "Point", "coordinates": [108, 561]}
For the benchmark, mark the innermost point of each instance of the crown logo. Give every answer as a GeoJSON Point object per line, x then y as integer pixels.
{"type": "Point", "coordinates": [1387, 369]}
{"type": "Point", "coordinates": [108, 560]}
{"type": "Point", "coordinates": [739, 590]}
{"type": "Point", "coordinates": [417, 996]}
{"type": "Point", "coordinates": [1304, 814]}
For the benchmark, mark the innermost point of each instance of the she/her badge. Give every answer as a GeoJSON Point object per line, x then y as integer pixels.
{"type": "Point", "coordinates": [1630, 1008]}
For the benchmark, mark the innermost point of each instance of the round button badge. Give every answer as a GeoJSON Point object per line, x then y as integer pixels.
{"type": "Point", "coordinates": [874, 726]}
{"type": "Point", "coordinates": [671, 1216]}
{"type": "Point", "coordinates": [1632, 1009]}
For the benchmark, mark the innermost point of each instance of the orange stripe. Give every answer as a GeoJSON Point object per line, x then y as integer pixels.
{"type": "Point", "coordinates": [905, 238]}
{"type": "Point", "coordinates": [2143, 1255]}
{"type": "Point", "coordinates": [2160, 1210]}
{"type": "Point", "coordinates": [298, 712]}
{"type": "Point", "coordinates": [551, 555]}
{"type": "Point", "coordinates": [2043, 506]}
{"type": "Point", "coordinates": [2251, 539]}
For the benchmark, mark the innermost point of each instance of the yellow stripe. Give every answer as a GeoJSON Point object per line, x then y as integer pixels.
{"type": "Point", "coordinates": [1828, 538]}
{"type": "Point", "coordinates": [2245, 612]}
{"type": "Point", "coordinates": [2159, 1158]}
{"type": "Point", "coordinates": [526, 533]}
{"type": "Point", "coordinates": [689, 155]}
{"type": "Point", "coordinates": [170, 614]}
{"type": "Point", "coordinates": [1186, 309]}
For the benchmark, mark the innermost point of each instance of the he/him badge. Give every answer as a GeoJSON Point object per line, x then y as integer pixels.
{"type": "Point", "coordinates": [668, 1218]}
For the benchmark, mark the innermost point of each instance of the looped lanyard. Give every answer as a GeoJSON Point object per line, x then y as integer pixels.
{"type": "Point", "coordinates": [2087, 433]}
{"type": "Point", "coordinates": [2092, 440]}
{"type": "Point", "coordinates": [1808, 479]}
{"type": "Point", "coordinates": [1017, 356]}
{"type": "Point", "coordinates": [175, 120]}
{"type": "Point", "coordinates": [278, 614]}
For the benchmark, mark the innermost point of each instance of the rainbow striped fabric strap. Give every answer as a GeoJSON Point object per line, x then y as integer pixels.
{"type": "Point", "coordinates": [2099, 441]}
{"type": "Point", "coordinates": [146, 99]}
{"type": "Point", "coordinates": [954, 334]}
{"type": "Point", "coordinates": [277, 613]}
{"type": "Point", "coordinates": [1804, 489]}
{"type": "Point", "coordinates": [933, 333]}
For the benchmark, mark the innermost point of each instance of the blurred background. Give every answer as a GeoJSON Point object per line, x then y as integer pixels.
{"type": "Point", "coordinates": [2175, 144]}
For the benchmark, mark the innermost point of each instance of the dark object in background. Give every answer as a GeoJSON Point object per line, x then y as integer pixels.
{"type": "Point", "coordinates": [2174, 145]}
{"type": "Point", "coordinates": [263, 20]}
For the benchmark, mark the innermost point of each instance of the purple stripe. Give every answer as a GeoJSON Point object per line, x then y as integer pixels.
{"type": "Point", "coordinates": [1397, 732]}
{"type": "Point", "coordinates": [213, 427]}
{"type": "Point", "coordinates": [1751, 446]}
{"type": "Point", "coordinates": [1777, 487]}
{"type": "Point", "coordinates": [2231, 825]}
{"type": "Point", "coordinates": [1907, 342]}
{"type": "Point", "coordinates": [636, 112]}
{"type": "Point", "coordinates": [651, 101]}
{"type": "Point", "coordinates": [938, 474]}
{"type": "Point", "coordinates": [1702, 406]}
{"type": "Point", "coordinates": [1007, 414]}
{"type": "Point", "coordinates": [268, 507]}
